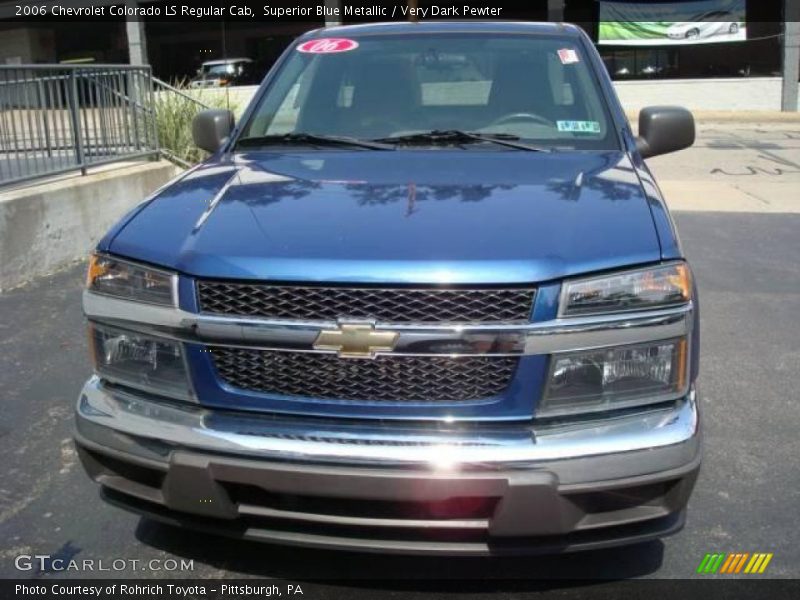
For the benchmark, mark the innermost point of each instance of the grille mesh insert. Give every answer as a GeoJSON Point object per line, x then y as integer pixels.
{"type": "Point", "coordinates": [391, 305]}
{"type": "Point", "coordinates": [384, 378]}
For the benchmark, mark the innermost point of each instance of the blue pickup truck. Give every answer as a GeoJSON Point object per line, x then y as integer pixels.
{"type": "Point", "coordinates": [424, 297]}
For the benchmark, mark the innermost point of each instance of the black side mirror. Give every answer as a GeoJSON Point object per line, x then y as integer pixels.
{"type": "Point", "coordinates": [211, 128]}
{"type": "Point", "coordinates": [664, 129]}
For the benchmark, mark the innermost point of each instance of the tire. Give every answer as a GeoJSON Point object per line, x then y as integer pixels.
{"type": "Point", "coordinates": [733, 29]}
{"type": "Point", "coordinates": [692, 33]}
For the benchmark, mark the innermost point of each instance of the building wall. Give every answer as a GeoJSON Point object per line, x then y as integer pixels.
{"type": "Point", "coordinates": [26, 45]}
{"type": "Point", "coordinates": [175, 51]}
{"type": "Point", "coordinates": [757, 93]}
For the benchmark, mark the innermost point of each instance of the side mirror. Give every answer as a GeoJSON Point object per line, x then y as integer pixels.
{"type": "Point", "coordinates": [664, 129]}
{"type": "Point", "coordinates": [211, 128]}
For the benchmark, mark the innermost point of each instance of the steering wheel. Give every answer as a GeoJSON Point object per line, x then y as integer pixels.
{"type": "Point", "coordinates": [523, 116]}
{"type": "Point", "coordinates": [380, 126]}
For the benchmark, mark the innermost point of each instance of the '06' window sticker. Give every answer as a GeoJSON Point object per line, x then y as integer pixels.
{"type": "Point", "coordinates": [327, 46]}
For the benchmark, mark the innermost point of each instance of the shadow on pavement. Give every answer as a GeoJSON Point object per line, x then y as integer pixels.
{"type": "Point", "coordinates": [240, 557]}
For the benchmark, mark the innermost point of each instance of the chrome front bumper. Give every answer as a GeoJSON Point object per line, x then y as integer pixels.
{"type": "Point", "coordinates": [536, 488]}
{"type": "Point", "coordinates": [110, 415]}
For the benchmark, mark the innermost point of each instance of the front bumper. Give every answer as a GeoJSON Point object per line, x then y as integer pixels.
{"type": "Point", "coordinates": [468, 490]}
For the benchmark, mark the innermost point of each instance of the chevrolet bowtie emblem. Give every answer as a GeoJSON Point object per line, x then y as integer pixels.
{"type": "Point", "coordinates": [356, 340]}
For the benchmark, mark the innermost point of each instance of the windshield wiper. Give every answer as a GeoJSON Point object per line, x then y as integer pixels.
{"type": "Point", "coordinates": [312, 139]}
{"type": "Point", "coordinates": [456, 136]}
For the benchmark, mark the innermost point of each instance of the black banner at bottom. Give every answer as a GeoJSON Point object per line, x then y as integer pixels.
{"type": "Point", "coordinates": [230, 589]}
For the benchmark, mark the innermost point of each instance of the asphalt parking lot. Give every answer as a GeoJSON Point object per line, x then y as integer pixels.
{"type": "Point", "coordinates": [737, 208]}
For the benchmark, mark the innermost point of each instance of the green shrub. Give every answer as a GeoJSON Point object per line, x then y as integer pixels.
{"type": "Point", "coordinates": [174, 114]}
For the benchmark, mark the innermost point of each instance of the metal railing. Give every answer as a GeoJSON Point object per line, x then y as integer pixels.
{"type": "Point", "coordinates": [60, 118]}
{"type": "Point", "coordinates": [160, 84]}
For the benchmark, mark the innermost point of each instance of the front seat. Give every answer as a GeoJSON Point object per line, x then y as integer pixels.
{"type": "Point", "coordinates": [386, 98]}
{"type": "Point", "coordinates": [520, 85]}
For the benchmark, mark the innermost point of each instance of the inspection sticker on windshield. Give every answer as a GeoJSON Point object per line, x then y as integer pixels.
{"type": "Point", "coordinates": [568, 56]}
{"type": "Point", "coordinates": [327, 46]}
{"type": "Point", "coordinates": [579, 126]}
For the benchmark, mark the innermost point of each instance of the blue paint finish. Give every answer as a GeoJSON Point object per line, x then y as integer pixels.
{"type": "Point", "coordinates": [105, 242]}
{"type": "Point", "coordinates": [410, 216]}
{"type": "Point", "coordinates": [187, 299]}
{"type": "Point", "coordinates": [546, 305]}
{"type": "Point", "coordinates": [170, 215]}
{"type": "Point", "coordinates": [665, 227]}
{"type": "Point", "coordinates": [413, 216]}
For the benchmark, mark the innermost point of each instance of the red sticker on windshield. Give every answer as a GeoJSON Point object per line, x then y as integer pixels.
{"type": "Point", "coordinates": [327, 46]}
{"type": "Point", "coordinates": [568, 56]}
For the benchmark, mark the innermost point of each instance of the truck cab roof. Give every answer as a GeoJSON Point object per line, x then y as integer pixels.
{"type": "Point", "coordinates": [455, 26]}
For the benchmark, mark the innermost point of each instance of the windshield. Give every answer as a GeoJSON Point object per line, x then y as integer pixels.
{"type": "Point", "coordinates": [536, 88]}
{"type": "Point", "coordinates": [219, 69]}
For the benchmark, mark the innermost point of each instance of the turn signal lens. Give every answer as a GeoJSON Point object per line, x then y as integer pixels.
{"type": "Point", "coordinates": [656, 287]}
{"type": "Point", "coordinates": [131, 281]}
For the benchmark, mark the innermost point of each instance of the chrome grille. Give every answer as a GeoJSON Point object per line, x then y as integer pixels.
{"type": "Point", "coordinates": [391, 305]}
{"type": "Point", "coordinates": [384, 378]}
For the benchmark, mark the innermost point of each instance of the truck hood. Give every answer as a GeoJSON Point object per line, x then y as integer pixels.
{"type": "Point", "coordinates": [408, 216]}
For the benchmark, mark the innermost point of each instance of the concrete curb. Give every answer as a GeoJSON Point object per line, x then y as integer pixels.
{"type": "Point", "coordinates": [719, 196]}
{"type": "Point", "coordinates": [45, 227]}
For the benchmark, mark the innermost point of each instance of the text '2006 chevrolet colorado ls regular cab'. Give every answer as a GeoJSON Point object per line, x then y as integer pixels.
{"type": "Point", "coordinates": [425, 297]}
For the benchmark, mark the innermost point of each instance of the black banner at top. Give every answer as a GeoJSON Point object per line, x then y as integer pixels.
{"type": "Point", "coordinates": [348, 11]}
{"type": "Point", "coordinates": [328, 11]}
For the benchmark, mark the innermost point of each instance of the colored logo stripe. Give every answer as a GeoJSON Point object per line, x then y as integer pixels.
{"type": "Point", "coordinates": [710, 563]}
{"type": "Point", "coordinates": [731, 560]}
{"type": "Point", "coordinates": [704, 564]}
{"type": "Point", "coordinates": [732, 563]}
{"type": "Point", "coordinates": [758, 564]}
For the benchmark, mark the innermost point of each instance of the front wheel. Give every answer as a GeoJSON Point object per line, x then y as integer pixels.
{"type": "Point", "coordinates": [734, 28]}
{"type": "Point", "coordinates": [692, 33]}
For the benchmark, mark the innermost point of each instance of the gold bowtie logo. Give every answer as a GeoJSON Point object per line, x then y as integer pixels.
{"type": "Point", "coordinates": [356, 340]}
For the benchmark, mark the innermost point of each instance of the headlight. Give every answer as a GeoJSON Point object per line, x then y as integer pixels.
{"type": "Point", "coordinates": [115, 277]}
{"type": "Point", "coordinates": [618, 377]}
{"type": "Point", "coordinates": [152, 364]}
{"type": "Point", "coordinates": [656, 287]}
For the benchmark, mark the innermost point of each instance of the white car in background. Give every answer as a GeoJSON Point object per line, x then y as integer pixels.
{"type": "Point", "coordinates": [707, 25]}
{"type": "Point", "coordinates": [225, 72]}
